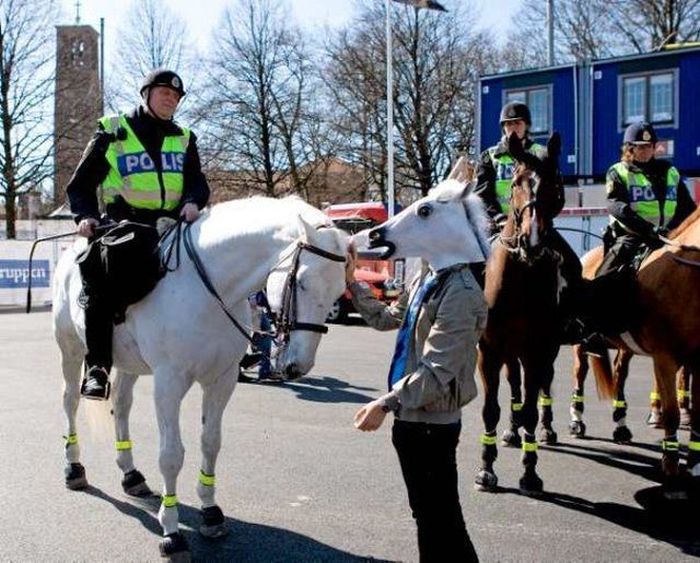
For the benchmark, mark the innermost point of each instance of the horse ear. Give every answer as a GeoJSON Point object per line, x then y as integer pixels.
{"type": "Point", "coordinates": [554, 147]}
{"type": "Point", "coordinates": [306, 230]}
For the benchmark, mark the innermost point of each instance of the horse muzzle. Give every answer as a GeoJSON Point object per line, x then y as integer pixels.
{"type": "Point", "coordinates": [377, 239]}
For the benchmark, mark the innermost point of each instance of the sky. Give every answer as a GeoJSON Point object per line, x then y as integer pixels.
{"type": "Point", "coordinates": [201, 16]}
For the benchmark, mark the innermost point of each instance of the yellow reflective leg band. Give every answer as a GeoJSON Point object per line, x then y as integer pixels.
{"type": "Point", "coordinates": [654, 396]}
{"type": "Point", "coordinates": [545, 401]}
{"type": "Point", "coordinates": [669, 445]}
{"type": "Point", "coordinates": [487, 440]}
{"type": "Point", "coordinates": [71, 439]}
{"type": "Point", "coordinates": [694, 446]}
{"type": "Point", "coordinates": [206, 480]}
{"type": "Point", "coordinates": [516, 407]}
{"type": "Point", "coordinates": [123, 445]}
{"type": "Point", "coordinates": [682, 394]}
{"type": "Point", "coordinates": [620, 404]}
{"type": "Point", "coordinates": [169, 501]}
{"type": "Point", "coordinates": [577, 398]}
{"type": "Point", "coordinates": [529, 446]}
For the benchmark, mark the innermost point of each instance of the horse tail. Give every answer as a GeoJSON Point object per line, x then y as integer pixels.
{"type": "Point", "coordinates": [602, 369]}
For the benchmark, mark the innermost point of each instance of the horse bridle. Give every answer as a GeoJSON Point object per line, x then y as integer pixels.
{"type": "Point", "coordinates": [286, 323]}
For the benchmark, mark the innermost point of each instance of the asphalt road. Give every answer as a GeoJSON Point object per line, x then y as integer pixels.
{"type": "Point", "coordinates": [298, 483]}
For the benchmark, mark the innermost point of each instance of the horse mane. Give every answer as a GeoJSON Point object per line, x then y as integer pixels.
{"type": "Point", "coordinates": [688, 221]}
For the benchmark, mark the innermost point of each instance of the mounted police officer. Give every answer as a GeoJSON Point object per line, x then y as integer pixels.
{"type": "Point", "coordinates": [148, 167]}
{"type": "Point", "coordinates": [493, 184]}
{"type": "Point", "coordinates": [646, 198]}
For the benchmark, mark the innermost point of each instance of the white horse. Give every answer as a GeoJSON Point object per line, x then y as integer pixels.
{"type": "Point", "coordinates": [181, 335]}
{"type": "Point", "coordinates": [446, 227]}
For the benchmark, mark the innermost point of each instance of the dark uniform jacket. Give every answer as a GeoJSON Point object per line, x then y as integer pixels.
{"type": "Point", "coordinates": [486, 176]}
{"type": "Point", "coordinates": [619, 202]}
{"type": "Point", "coordinates": [93, 169]}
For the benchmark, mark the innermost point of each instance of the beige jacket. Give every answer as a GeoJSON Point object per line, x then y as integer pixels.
{"type": "Point", "coordinates": [439, 375]}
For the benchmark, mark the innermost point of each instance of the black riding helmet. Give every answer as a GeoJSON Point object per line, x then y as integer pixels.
{"type": "Point", "coordinates": [163, 77]}
{"type": "Point", "coordinates": [639, 133]}
{"type": "Point", "coordinates": [513, 111]}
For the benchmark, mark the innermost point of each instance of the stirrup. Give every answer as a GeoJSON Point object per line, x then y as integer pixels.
{"type": "Point", "coordinates": [95, 385]}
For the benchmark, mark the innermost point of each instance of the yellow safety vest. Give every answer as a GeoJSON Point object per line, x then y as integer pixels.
{"type": "Point", "coordinates": [133, 174]}
{"type": "Point", "coordinates": [642, 198]}
{"type": "Point", "coordinates": [504, 166]}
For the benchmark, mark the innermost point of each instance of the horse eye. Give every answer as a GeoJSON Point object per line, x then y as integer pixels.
{"type": "Point", "coordinates": [425, 211]}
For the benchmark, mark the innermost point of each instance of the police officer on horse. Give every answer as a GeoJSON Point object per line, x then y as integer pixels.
{"type": "Point", "coordinates": [148, 167]}
{"type": "Point", "coordinates": [493, 184]}
{"type": "Point", "coordinates": [646, 198]}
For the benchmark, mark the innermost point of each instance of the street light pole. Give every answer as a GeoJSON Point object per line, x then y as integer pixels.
{"type": "Point", "coordinates": [417, 4]}
{"type": "Point", "coordinates": [389, 113]}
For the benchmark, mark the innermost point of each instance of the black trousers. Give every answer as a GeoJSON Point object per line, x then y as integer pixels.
{"type": "Point", "coordinates": [99, 311]}
{"type": "Point", "coordinates": [427, 453]}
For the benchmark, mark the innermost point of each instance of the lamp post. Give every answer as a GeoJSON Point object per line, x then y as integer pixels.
{"type": "Point", "coordinates": [417, 4]}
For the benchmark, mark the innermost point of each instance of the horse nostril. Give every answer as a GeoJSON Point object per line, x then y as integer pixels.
{"type": "Point", "coordinates": [374, 235]}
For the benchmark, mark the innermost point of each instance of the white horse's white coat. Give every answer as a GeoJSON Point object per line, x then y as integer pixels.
{"type": "Point", "coordinates": [446, 227]}
{"type": "Point", "coordinates": [180, 334]}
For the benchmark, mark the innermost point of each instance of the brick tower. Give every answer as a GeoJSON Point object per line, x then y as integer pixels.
{"type": "Point", "coordinates": [78, 101]}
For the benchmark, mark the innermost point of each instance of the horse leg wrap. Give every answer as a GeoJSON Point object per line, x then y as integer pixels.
{"type": "Point", "coordinates": [530, 482]}
{"type": "Point", "coordinates": [619, 412]}
{"type": "Point", "coordinates": [576, 407]}
{"type": "Point", "coordinates": [489, 452]}
{"type": "Point", "coordinates": [516, 407]}
{"type": "Point", "coordinates": [694, 454]}
{"type": "Point", "coordinates": [669, 458]}
{"type": "Point", "coordinates": [529, 451]}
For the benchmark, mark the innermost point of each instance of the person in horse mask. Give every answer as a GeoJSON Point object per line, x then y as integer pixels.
{"type": "Point", "coordinates": [440, 319]}
{"type": "Point", "coordinates": [148, 167]}
{"type": "Point", "coordinates": [646, 199]}
{"type": "Point", "coordinates": [494, 177]}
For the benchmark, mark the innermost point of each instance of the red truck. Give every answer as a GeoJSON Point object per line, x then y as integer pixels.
{"type": "Point", "coordinates": [384, 277]}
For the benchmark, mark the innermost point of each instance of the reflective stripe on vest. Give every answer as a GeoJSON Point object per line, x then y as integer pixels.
{"type": "Point", "coordinates": [504, 166]}
{"type": "Point", "coordinates": [133, 174]}
{"type": "Point", "coordinates": [642, 198]}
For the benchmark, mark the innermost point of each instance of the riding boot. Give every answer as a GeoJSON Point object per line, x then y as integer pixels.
{"type": "Point", "coordinates": [96, 384]}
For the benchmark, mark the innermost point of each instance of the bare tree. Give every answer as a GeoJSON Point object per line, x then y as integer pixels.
{"type": "Point", "coordinates": [151, 37]}
{"type": "Point", "coordinates": [26, 90]}
{"type": "Point", "coordinates": [437, 61]}
{"type": "Point", "coordinates": [594, 29]}
{"type": "Point", "coordinates": [264, 121]}
{"type": "Point", "coordinates": [648, 25]}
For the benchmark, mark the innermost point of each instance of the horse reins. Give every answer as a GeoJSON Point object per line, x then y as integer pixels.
{"type": "Point", "coordinates": [287, 319]}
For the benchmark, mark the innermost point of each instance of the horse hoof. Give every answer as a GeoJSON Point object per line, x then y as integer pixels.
{"type": "Point", "coordinates": [511, 439]}
{"type": "Point", "coordinates": [531, 485]}
{"type": "Point", "coordinates": [214, 525]}
{"type": "Point", "coordinates": [548, 436]}
{"type": "Point", "coordinates": [577, 429]}
{"type": "Point", "coordinates": [622, 435]}
{"type": "Point", "coordinates": [134, 484]}
{"type": "Point", "coordinates": [75, 477]}
{"type": "Point", "coordinates": [486, 481]}
{"type": "Point", "coordinates": [655, 419]}
{"type": "Point", "coordinates": [174, 548]}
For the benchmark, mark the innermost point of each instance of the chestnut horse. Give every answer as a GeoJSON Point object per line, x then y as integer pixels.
{"type": "Point", "coordinates": [667, 329]}
{"type": "Point", "coordinates": [523, 285]}
{"type": "Point", "coordinates": [591, 261]}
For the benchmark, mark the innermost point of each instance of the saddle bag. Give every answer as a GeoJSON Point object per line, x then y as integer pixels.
{"type": "Point", "coordinates": [131, 264]}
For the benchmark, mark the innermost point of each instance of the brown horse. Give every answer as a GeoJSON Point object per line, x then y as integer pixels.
{"type": "Point", "coordinates": [591, 261]}
{"type": "Point", "coordinates": [668, 330]}
{"type": "Point", "coordinates": [522, 290]}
